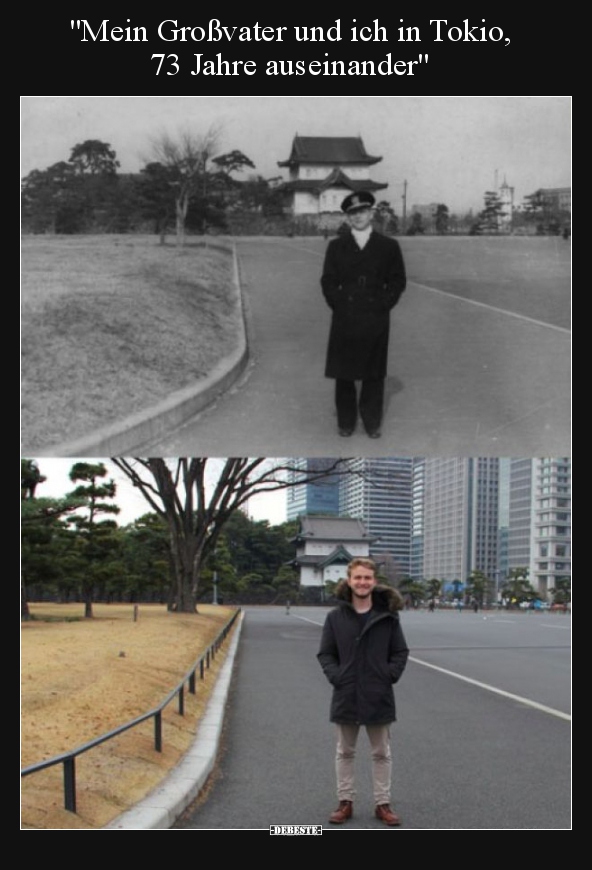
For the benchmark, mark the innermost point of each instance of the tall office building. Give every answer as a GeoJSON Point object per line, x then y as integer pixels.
{"type": "Point", "coordinates": [417, 509]}
{"type": "Point", "coordinates": [484, 515]}
{"type": "Point", "coordinates": [318, 497]}
{"type": "Point", "coordinates": [503, 522]}
{"type": "Point", "coordinates": [520, 504]}
{"type": "Point", "coordinates": [379, 492]}
{"type": "Point", "coordinates": [539, 533]}
{"type": "Point", "coordinates": [460, 517]}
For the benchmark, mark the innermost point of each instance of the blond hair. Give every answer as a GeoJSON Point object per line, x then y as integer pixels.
{"type": "Point", "coordinates": [362, 563]}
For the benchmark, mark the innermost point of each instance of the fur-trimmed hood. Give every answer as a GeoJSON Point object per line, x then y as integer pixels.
{"type": "Point", "coordinates": [363, 659]}
{"type": "Point", "coordinates": [383, 597]}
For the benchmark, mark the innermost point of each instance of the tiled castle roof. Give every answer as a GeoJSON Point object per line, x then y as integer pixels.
{"type": "Point", "coordinates": [328, 149]}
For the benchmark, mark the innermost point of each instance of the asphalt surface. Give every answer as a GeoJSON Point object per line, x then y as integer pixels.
{"type": "Point", "coordinates": [482, 741]}
{"type": "Point", "coordinates": [477, 365]}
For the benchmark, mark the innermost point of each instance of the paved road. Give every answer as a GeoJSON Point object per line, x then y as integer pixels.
{"type": "Point", "coordinates": [482, 741]}
{"type": "Point", "coordinates": [474, 369]}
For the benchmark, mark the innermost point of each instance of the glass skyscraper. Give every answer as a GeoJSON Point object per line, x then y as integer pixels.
{"type": "Point", "coordinates": [319, 497]}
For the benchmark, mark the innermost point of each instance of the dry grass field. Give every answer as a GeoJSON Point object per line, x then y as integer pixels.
{"type": "Point", "coordinates": [114, 324]}
{"type": "Point", "coordinates": [83, 677]}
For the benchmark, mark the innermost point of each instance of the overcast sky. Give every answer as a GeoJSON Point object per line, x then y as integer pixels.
{"type": "Point", "coordinates": [267, 506]}
{"type": "Point", "coordinates": [448, 149]}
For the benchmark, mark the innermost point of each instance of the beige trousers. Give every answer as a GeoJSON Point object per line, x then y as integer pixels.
{"type": "Point", "coordinates": [379, 737]}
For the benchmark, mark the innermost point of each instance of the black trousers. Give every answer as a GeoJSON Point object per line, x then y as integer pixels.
{"type": "Point", "coordinates": [370, 403]}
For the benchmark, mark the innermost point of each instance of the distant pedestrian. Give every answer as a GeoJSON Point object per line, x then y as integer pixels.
{"type": "Point", "coordinates": [431, 605]}
{"type": "Point", "coordinates": [363, 652]}
{"type": "Point", "coordinates": [363, 278]}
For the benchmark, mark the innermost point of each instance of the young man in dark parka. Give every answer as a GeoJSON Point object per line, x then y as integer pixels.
{"type": "Point", "coordinates": [363, 653]}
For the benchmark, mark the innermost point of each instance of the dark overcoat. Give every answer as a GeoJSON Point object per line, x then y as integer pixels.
{"type": "Point", "coordinates": [361, 286]}
{"type": "Point", "coordinates": [363, 663]}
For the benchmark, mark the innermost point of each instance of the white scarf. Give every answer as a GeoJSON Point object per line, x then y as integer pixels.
{"type": "Point", "coordinates": [362, 236]}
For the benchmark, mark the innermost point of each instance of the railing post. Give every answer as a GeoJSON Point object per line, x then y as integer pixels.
{"type": "Point", "coordinates": [158, 731]}
{"type": "Point", "coordinates": [69, 766]}
{"type": "Point", "coordinates": [70, 784]}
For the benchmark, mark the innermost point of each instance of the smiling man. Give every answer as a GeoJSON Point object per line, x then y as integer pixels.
{"type": "Point", "coordinates": [363, 653]}
{"type": "Point", "coordinates": [363, 278]}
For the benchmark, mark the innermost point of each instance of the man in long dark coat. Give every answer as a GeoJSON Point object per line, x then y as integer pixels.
{"type": "Point", "coordinates": [363, 279]}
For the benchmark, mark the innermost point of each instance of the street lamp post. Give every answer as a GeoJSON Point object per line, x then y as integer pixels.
{"type": "Point", "coordinates": [404, 198]}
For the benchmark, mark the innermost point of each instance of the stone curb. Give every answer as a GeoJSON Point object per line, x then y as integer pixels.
{"type": "Point", "coordinates": [132, 433]}
{"type": "Point", "coordinates": [163, 806]}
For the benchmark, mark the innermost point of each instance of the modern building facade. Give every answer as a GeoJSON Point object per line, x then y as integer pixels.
{"type": "Point", "coordinates": [539, 534]}
{"type": "Point", "coordinates": [520, 506]}
{"type": "Point", "coordinates": [379, 492]}
{"type": "Point", "coordinates": [318, 497]}
{"type": "Point", "coordinates": [503, 565]}
{"type": "Point", "coordinates": [417, 513]}
{"type": "Point", "coordinates": [460, 518]}
{"type": "Point", "coordinates": [484, 514]}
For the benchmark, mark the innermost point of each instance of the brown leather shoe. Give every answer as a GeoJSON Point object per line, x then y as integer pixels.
{"type": "Point", "coordinates": [386, 815]}
{"type": "Point", "coordinates": [344, 811]}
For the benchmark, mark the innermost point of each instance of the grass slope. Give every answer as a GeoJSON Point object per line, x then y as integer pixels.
{"type": "Point", "coordinates": [83, 677]}
{"type": "Point", "coordinates": [113, 325]}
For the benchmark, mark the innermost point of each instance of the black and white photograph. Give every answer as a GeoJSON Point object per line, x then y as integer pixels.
{"type": "Point", "coordinates": [174, 252]}
{"type": "Point", "coordinates": [295, 462]}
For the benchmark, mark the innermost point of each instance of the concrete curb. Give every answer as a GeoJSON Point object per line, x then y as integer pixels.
{"type": "Point", "coordinates": [132, 433]}
{"type": "Point", "coordinates": [163, 806]}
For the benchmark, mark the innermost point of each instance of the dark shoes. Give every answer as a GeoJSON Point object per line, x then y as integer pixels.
{"type": "Point", "coordinates": [344, 811]}
{"type": "Point", "coordinates": [386, 815]}
{"type": "Point", "coordinates": [372, 433]}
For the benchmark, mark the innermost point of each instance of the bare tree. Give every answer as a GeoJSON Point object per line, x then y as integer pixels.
{"type": "Point", "coordinates": [186, 156]}
{"type": "Point", "coordinates": [196, 497]}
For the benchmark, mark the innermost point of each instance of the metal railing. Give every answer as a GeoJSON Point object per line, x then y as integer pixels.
{"type": "Point", "coordinates": [68, 759]}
